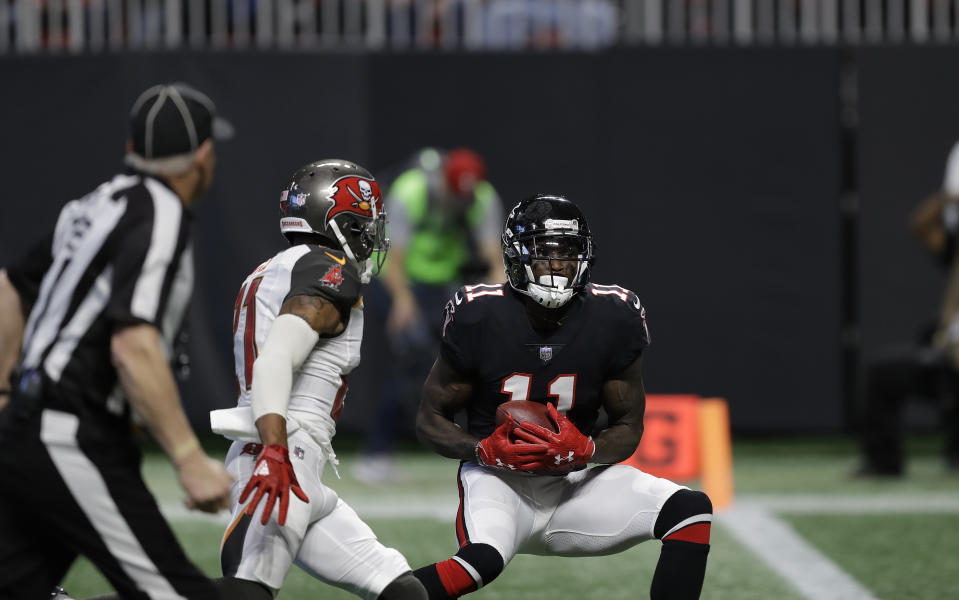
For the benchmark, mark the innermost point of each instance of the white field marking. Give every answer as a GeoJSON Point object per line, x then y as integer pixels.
{"type": "Point", "coordinates": [931, 502]}
{"type": "Point", "coordinates": [774, 542]}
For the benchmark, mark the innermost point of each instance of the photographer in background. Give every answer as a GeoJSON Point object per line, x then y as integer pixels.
{"type": "Point", "coordinates": [444, 228]}
{"type": "Point", "coordinates": [930, 371]}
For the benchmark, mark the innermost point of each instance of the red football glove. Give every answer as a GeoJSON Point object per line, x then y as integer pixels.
{"type": "Point", "coordinates": [499, 451]}
{"type": "Point", "coordinates": [273, 475]}
{"type": "Point", "coordinates": [569, 446]}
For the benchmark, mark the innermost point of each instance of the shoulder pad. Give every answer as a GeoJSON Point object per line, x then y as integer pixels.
{"type": "Point", "coordinates": [473, 299]}
{"type": "Point", "coordinates": [470, 303]}
{"type": "Point", "coordinates": [321, 255]}
{"type": "Point", "coordinates": [325, 272]}
{"type": "Point", "coordinates": [471, 293]}
{"type": "Point", "coordinates": [627, 317]}
{"type": "Point", "coordinates": [616, 295]}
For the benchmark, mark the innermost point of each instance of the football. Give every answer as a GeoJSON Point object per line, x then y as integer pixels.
{"type": "Point", "coordinates": [523, 410]}
{"type": "Point", "coordinates": [534, 412]}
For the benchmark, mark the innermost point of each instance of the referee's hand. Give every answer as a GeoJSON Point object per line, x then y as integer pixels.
{"type": "Point", "coordinates": [206, 482]}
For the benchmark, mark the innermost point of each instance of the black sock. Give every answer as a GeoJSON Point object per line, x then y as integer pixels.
{"type": "Point", "coordinates": [404, 587]}
{"type": "Point", "coordinates": [680, 571]}
{"type": "Point", "coordinates": [450, 574]}
{"type": "Point", "coordinates": [430, 578]}
{"type": "Point", "coordinates": [241, 589]}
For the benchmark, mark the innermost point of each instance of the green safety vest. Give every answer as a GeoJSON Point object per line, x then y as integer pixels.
{"type": "Point", "coordinates": [438, 245]}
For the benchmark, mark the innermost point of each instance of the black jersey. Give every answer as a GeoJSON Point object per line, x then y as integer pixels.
{"type": "Point", "coordinates": [488, 338]}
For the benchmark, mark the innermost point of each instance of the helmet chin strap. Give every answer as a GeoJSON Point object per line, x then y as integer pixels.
{"type": "Point", "coordinates": [364, 267]}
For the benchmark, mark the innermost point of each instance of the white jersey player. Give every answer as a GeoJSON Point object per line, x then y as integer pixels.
{"type": "Point", "coordinates": [297, 329]}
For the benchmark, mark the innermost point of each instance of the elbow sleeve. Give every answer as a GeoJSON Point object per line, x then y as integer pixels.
{"type": "Point", "coordinates": [289, 343]}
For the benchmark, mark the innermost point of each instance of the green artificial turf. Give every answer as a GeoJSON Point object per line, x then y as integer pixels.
{"type": "Point", "coordinates": [906, 554]}
{"type": "Point", "coordinates": [896, 556]}
{"type": "Point", "coordinates": [812, 465]}
{"type": "Point", "coordinates": [731, 573]}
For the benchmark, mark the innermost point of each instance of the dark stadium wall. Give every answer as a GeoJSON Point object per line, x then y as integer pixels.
{"type": "Point", "coordinates": [711, 181]}
{"type": "Point", "coordinates": [710, 178]}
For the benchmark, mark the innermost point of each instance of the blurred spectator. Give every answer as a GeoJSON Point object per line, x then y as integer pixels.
{"type": "Point", "coordinates": [502, 24]}
{"type": "Point", "coordinates": [518, 24]}
{"type": "Point", "coordinates": [444, 226]}
{"type": "Point", "coordinates": [930, 371]}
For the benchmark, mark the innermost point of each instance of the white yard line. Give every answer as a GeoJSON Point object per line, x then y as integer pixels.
{"type": "Point", "coordinates": [779, 546]}
{"type": "Point", "coordinates": [815, 576]}
{"type": "Point", "coordinates": [931, 502]}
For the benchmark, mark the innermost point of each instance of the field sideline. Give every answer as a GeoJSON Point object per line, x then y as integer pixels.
{"type": "Point", "coordinates": [799, 529]}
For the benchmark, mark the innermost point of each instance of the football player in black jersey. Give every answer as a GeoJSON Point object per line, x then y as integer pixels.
{"type": "Point", "coordinates": [550, 336]}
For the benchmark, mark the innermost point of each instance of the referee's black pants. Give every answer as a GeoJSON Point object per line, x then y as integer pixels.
{"type": "Point", "coordinates": [67, 489]}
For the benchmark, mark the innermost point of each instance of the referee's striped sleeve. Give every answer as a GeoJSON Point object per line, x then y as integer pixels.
{"type": "Point", "coordinates": [148, 251]}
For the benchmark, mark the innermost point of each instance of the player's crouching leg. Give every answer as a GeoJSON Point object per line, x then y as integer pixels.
{"type": "Point", "coordinates": [474, 566]}
{"type": "Point", "coordinates": [683, 524]}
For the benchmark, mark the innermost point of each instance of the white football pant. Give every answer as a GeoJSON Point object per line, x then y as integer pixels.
{"type": "Point", "coordinates": [324, 537]}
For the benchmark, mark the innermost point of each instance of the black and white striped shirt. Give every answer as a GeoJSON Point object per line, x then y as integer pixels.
{"type": "Point", "coordinates": [119, 256]}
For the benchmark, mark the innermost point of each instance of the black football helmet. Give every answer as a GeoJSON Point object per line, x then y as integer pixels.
{"type": "Point", "coordinates": [547, 228]}
{"type": "Point", "coordinates": [341, 202]}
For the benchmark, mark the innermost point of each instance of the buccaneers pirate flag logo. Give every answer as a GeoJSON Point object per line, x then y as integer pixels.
{"type": "Point", "coordinates": [354, 194]}
{"type": "Point", "coordinates": [333, 278]}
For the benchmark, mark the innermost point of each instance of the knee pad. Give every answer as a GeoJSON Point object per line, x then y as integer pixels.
{"type": "Point", "coordinates": [404, 587]}
{"type": "Point", "coordinates": [484, 559]}
{"type": "Point", "coordinates": [687, 510]}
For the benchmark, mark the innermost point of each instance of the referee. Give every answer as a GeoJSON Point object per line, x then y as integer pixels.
{"type": "Point", "coordinates": [99, 302]}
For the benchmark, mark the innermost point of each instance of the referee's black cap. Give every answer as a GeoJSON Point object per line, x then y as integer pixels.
{"type": "Point", "coordinates": [171, 119]}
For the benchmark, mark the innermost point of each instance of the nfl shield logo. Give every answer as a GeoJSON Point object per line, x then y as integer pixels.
{"type": "Point", "coordinates": [545, 353]}
{"type": "Point", "coordinates": [298, 452]}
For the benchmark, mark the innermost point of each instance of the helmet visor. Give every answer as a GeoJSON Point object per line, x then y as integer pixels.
{"type": "Point", "coordinates": [559, 247]}
{"type": "Point", "coordinates": [556, 260]}
{"type": "Point", "coordinates": [363, 235]}
{"type": "Point", "coordinates": [374, 234]}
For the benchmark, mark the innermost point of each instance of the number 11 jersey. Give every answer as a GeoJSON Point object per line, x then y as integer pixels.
{"type": "Point", "coordinates": [488, 338]}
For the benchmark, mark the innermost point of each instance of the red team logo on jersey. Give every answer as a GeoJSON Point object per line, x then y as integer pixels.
{"type": "Point", "coordinates": [353, 194]}
{"type": "Point", "coordinates": [333, 277]}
